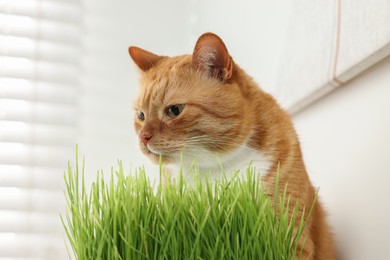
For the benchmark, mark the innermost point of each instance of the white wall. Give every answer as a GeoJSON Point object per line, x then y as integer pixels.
{"type": "Point", "coordinates": [345, 138]}
{"type": "Point", "coordinates": [110, 79]}
{"type": "Point", "coordinates": [253, 30]}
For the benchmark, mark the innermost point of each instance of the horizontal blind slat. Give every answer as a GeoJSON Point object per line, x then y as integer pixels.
{"type": "Point", "coordinates": [12, 67]}
{"type": "Point", "coordinates": [47, 30]}
{"type": "Point", "coordinates": [23, 47]}
{"type": "Point", "coordinates": [29, 222]}
{"type": "Point", "coordinates": [35, 155]}
{"type": "Point", "coordinates": [36, 112]}
{"type": "Point", "coordinates": [18, 199]}
{"type": "Point", "coordinates": [20, 132]}
{"type": "Point", "coordinates": [26, 246]}
{"type": "Point", "coordinates": [33, 177]}
{"type": "Point", "coordinates": [38, 91]}
{"type": "Point", "coordinates": [61, 11]}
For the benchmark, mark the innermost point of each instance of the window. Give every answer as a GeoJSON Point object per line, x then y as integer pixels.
{"type": "Point", "coordinates": [40, 51]}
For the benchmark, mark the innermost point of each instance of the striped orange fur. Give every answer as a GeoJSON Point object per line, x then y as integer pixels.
{"type": "Point", "coordinates": [203, 106]}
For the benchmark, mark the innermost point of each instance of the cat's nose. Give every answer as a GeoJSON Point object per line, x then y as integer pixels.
{"type": "Point", "coordinates": [145, 137]}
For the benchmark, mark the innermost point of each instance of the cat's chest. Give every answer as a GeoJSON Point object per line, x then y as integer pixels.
{"type": "Point", "coordinates": [217, 165]}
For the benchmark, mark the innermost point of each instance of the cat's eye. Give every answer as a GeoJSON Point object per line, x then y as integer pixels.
{"type": "Point", "coordinates": [175, 110]}
{"type": "Point", "coordinates": [140, 115]}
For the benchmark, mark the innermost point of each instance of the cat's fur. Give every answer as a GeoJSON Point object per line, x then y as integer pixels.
{"type": "Point", "coordinates": [226, 116]}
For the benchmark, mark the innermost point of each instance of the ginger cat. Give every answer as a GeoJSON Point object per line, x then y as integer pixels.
{"type": "Point", "coordinates": [203, 106]}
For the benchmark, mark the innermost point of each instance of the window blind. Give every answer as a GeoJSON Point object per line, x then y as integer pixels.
{"type": "Point", "coordinates": [40, 49]}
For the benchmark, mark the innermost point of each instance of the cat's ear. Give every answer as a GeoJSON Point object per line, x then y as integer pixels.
{"type": "Point", "coordinates": [211, 55]}
{"type": "Point", "coordinates": [144, 59]}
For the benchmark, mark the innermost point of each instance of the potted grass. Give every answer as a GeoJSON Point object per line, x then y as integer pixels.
{"type": "Point", "coordinates": [130, 217]}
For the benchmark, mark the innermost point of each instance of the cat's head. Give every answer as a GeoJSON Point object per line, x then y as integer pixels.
{"type": "Point", "coordinates": [190, 105]}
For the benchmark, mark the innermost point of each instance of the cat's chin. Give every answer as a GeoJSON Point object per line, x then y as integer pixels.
{"type": "Point", "coordinates": [155, 158]}
{"type": "Point", "coordinates": [152, 150]}
{"type": "Point", "coordinates": [154, 155]}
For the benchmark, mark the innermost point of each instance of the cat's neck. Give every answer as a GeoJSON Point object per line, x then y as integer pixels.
{"type": "Point", "coordinates": [216, 166]}
{"type": "Point", "coordinates": [273, 132]}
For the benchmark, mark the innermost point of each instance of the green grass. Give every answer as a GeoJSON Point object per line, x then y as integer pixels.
{"type": "Point", "coordinates": [128, 217]}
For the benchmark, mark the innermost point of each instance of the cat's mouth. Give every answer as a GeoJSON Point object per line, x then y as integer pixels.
{"type": "Point", "coordinates": [155, 155]}
{"type": "Point", "coordinates": [152, 150]}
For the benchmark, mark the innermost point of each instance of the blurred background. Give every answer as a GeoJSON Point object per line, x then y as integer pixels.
{"type": "Point", "coordinates": [66, 79]}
